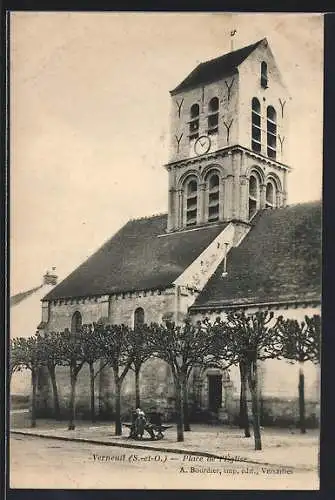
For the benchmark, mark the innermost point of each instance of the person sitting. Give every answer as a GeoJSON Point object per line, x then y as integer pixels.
{"type": "Point", "coordinates": [141, 424]}
{"type": "Point", "coordinates": [132, 433]}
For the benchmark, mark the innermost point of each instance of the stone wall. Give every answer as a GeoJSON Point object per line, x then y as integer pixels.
{"type": "Point", "coordinates": [156, 387]}
{"type": "Point", "coordinates": [275, 94]}
{"type": "Point", "coordinates": [118, 308]}
{"type": "Point", "coordinates": [279, 379]}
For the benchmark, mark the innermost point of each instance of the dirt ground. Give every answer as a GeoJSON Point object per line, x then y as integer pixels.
{"type": "Point", "coordinates": [43, 463]}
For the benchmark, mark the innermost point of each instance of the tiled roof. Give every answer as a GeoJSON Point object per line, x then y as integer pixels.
{"type": "Point", "coordinates": [213, 70]}
{"type": "Point", "coordinates": [135, 258]}
{"type": "Point", "coordinates": [279, 260]}
{"type": "Point", "coordinates": [19, 297]}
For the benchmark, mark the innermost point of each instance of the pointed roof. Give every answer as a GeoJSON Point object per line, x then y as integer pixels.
{"type": "Point", "coordinates": [279, 260]}
{"type": "Point", "coordinates": [215, 69]}
{"type": "Point", "coordinates": [141, 256]}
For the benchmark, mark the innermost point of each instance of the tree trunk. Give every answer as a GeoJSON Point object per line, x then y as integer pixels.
{"type": "Point", "coordinates": [302, 417]}
{"type": "Point", "coordinates": [52, 373]}
{"type": "Point", "coordinates": [33, 399]}
{"type": "Point", "coordinates": [118, 426]}
{"type": "Point", "coordinates": [253, 385]}
{"type": "Point", "coordinates": [179, 410]}
{"type": "Point", "coordinates": [137, 387]}
{"type": "Point", "coordinates": [91, 366]}
{"type": "Point", "coordinates": [73, 377]}
{"type": "Point", "coordinates": [101, 387]}
{"type": "Point", "coordinates": [244, 418]}
{"type": "Point", "coordinates": [187, 426]}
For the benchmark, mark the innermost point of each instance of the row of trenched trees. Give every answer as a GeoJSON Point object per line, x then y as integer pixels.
{"type": "Point", "coordinates": [241, 340]}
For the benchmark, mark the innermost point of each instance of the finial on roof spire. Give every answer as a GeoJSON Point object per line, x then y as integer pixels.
{"type": "Point", "coordinates": [232, 34]}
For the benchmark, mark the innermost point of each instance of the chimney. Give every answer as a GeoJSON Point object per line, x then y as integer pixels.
{"type": "Point", "coordinates": [50, 278]}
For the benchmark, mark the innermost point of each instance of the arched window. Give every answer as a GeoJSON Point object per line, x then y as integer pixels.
{"type": "Point", "coordinates": [271, 194]}
{"type": "Point", "coordinates": [191, 201]}
{"type": "Point", "coordinates": [76, 322]}
{"type": "Point", "coordinates": [213, 116]}
{"type": "Point", "coordinates": [254, 194]}
{"type": "Point", "coordinates": [194, 121]}
{"type": "Point", "coordinates": [213, 197]}
{"type": "Point", "coordinates": [264, 75]}
{"type": "Point", "coordinates": [139, 317]}
{"type": "Point", "coordinates": [271, 131]}
{"type": "Point", "coordinates": [256, 134]}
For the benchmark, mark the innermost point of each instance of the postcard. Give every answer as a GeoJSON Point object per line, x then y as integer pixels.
{"type": "Point", "coordinates": [166, 177]}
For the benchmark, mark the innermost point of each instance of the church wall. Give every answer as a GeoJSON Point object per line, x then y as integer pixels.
{"type": "Point", "coordinates": [61, 311]}
{"type": "Point", "coordinates": [156, 390]}
{"type": "Point", "coordinates": [155, 303]}
{"type": "Point", "coordinates": [118, 308]}
{"type": "Point", "coordinates": [279, 379]}
{"type": "Point", "coordinates": [155, 379]}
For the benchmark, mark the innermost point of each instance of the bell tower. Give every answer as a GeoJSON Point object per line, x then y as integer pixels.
{"type": "Point", "coordinates": [229, 140]}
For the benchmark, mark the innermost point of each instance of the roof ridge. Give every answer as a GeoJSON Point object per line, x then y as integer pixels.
{"type": "Point", "coordinates": [144, 217]}
{"type": "Point", "coordinates": [29, 290]}
{"type": "Point", "coordinates": [210, 70]}
{"type": "Point", "coordinates": [233, 51]}
{"type": "Point", "coordinates": [20, 296]}
{"type": "Point", "coordinates": [310, 202]}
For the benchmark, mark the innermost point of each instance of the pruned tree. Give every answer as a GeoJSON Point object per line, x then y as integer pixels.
{"type": "Point", "coordinates": [245, 340]}
{"type": "Point", "coordinates": [92, 342]}
{"type": "Point", "coordinates": [221, 350]}
{"type": "Point", "coordinates": [314, 337]}
{"type": "Point", "coordinates": [300, 343]}
{"type": "Point", "coordinates": [51, 356]}
{"type": "Point", "coordinates": [27, 353]}
{"type": "Point", "coordinates": [72, 355]}
{"type": "Point", "coordinates": [243, 415]}
{"type": "Point", "coordinates": [15, 361]}
{"type": "Point", "coordinates": [118, 353]}
{"type": "Point", "coordinates": [138, 340]}
{"type": "Point", "coordinates": [182, 347]}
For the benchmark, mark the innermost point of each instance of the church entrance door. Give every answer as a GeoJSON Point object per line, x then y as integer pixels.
{"type": "Point", "coordinates": [214, 392]}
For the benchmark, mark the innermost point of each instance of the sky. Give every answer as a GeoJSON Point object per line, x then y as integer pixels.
{"type": "Point", "coordinates": [89, 119]}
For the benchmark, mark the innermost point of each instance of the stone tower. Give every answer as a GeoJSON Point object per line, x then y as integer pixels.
{"type": "Point", "coordinates": [229, 140]}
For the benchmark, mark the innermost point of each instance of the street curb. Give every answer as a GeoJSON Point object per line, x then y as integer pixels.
{"type": "Point", "coordinates": [179, 451]}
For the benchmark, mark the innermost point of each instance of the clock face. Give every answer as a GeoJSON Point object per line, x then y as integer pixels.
{"type": "Point", "coordinates": [202, 145]}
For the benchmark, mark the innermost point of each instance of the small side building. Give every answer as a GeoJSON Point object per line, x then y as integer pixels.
{"type": "Point", "coordinates": [25, 317]}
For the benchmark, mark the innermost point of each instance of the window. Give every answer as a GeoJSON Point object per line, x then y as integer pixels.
{"type": "Point", "coordinates": [270, 195]}
{"type": "Point", "coordinates": [194, 122]}
{"type": "Point", "coordinates": [256, 134]}
{"type": "Point", "coordinates": [213, 197]}
{"type": "Point", "coordinates": [264, 75]}
{"type": "Point", "coordinates": [76, 322]}
{"type": "Point", "coordinates": [139, 317]}
{"type": "Point", "coordinates": [213, 116]}
{"type": "Point", "coordinates": [271, 131]}
{"type": "Point", "coordinates": [213, 105]}
{"type": "Point", "coordinates": [254, 195]}
{"type": "Point", "coordinates": [191, 202]}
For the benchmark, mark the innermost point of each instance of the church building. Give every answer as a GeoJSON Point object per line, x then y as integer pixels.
{"type": "Point", "coordinates": [229, 241]}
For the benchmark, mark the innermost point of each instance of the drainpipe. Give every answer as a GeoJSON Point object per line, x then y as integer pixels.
{"type": "Point", "coordinates": [177, 304]}
{"type": "Point", "coordinates": [225, 261]}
